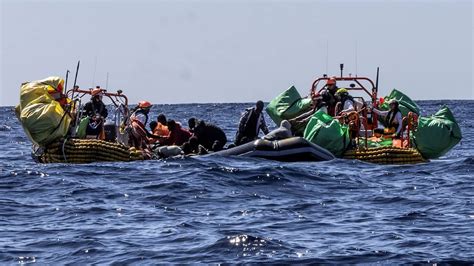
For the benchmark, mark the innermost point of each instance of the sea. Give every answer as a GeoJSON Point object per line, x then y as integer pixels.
{"type": "Point", "coordinates": [215, 210]}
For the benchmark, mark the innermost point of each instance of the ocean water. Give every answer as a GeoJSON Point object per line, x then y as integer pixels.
{"type": "Point", "coordinates": [235, 210]}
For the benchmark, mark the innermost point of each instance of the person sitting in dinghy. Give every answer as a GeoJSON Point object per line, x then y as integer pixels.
{"type": "Point", "coordinates": [178, 135]}
{"type": "Point", "coordinates": [393, 122]}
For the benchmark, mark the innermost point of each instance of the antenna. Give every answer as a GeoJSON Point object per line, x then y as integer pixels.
{"type": "Point", "coordinates": [327, 55]}
{"type": "Point", "coordinates": [107, 81]}
{"type": "Point", "coordinates": [95, 69]}
{"type": "Point", "coordinates": [356, 56]}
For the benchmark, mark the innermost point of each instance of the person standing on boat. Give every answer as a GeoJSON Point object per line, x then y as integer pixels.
{"type": "Point", "coordinates": [250, 124]}
{"type": "Point", "coordinates": [97, 112]}
{"type": "Point", "coordinates": [329, 95]}
{"type": "Point", "coordinates": [393, 119]}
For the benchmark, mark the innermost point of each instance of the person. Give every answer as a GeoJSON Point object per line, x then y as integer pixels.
{"type": "Point", "coordinates": [192, 147]}
{"type": "Point", "coordinates": [393, 122]}
{"type": "Point", "coordinates": [97, 112]}
{"type": "Point", "coordinates": [250, 124]}
{"type": "Point", "coordinates": [178, 135]}
{"type": "Point", "coordinates": [345, 103]}
{"type": "Point", "coordinates": [207, 134]}
{"type": "Point", "coordinates": [192, 122]}
{"type": "Point", "coordinates": [298, 124]}
{"type": "Point", "coordinates": [139, 137]}
{"type": "Point", "coordinates": [161, 128]}
{"type": "Point", "coordinates": [328, 95]}
{"type": "Point", "coordinates": [283, 132]}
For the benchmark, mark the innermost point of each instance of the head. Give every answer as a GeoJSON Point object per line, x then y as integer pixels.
{"type": "Point", "coordinates": [216, 146]}
{"type": "Point", "coordinates": [96, 94]}
{"type": "Point", "coordinates": [194, 142]}
{"type": "Point", "coordinates": [393, 104]}
{"type": "Point", "coordinates": [171, 124]}
{"type": "Point", "coordinates": [342, 93]}
{"type": "Point", "coordinates": [145, 106]}
{"type": "Point", "coordinates": [199, 128]}
{"type": "Point", "coordinates": [192, 122]}
{"type": "Point", "coordinates": [331, 85]}
{"type": "Point", "coordinates": [259, 106]}
{"type": "Point", "coordinates": [161, 119]}
{"type": "Point", "coordinates": [153, 125]}
{"type": "Point", "coordinates": [285, 124]}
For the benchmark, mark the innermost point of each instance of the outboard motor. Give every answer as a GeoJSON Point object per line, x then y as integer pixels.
{"type": "Point", "coordinates": [110, 131]}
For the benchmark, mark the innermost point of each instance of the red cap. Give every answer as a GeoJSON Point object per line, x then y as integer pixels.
{"type": "Point", "coordinates": [144, 104]}
{"type": "Point", "coordinates": [331, 81]}
{"type": "Point", "coordinates": [95, 92]}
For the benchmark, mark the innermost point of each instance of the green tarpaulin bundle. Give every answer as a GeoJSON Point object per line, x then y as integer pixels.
{"type": "Point", "coordinates": [287, 105]}
{"type": "Point", "coordinates": [437, 134]}
{"type": "Point", "coordinates": [323, 130]}
{"type": "Point", "coordinates": [405, 103]}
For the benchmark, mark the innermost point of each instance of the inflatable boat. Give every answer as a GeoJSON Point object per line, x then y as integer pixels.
{"type": "Point", "coordinates": [287, 150]}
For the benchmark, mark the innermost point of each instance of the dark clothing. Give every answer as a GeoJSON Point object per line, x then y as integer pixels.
{"type": "Point", "coordinates": [207, 134]}
{"type": "Point", "coordinates": [178, 136]}
{"type": "Point", "coordinates": [250, 125]}
{"type": "Point", "coordinates": [93, 108]}
{"type": "Point", "coordinates": [329, 98]}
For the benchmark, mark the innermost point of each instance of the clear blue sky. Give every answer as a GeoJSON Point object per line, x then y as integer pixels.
{"type": "Point", "coordinates": [235, 51]}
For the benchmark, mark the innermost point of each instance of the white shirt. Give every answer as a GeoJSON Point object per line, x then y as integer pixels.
{"type": "Point", "coordinates": [398, 118]}
{"type": "Point", "coordinates": [348, 107]}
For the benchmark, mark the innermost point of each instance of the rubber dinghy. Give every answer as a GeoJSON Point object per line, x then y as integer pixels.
{"type": "Point", "coordinates": [287, 150]}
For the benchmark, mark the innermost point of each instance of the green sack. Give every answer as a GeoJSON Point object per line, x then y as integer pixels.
{"type": "Point", "coordinates": [287, 105]}
{"type": "Point", "coordinates": [82, 127]}
{"type": "Point", "coordinates": [374, 144]}
{"type": "Point", "coordinates": [323, 130]}
{"type": "Point", "coordinates": [405, 103]}
{"type": "Point", "coordinates": [437, 134]}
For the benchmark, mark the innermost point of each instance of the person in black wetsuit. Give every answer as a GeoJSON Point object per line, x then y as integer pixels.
{"type": "Point", "coordinates": [250, 124]}
{"type": "Point", "coordinates": [208, 134]}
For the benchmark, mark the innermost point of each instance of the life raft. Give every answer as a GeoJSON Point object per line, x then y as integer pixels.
{"type": "Point", "coordinates": [287, 150]}
{"type": "Point", "coordinates": [86, 151]}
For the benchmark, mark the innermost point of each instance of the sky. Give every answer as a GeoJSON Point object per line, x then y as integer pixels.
{"type": "Point", "coordinates": [237, 51]}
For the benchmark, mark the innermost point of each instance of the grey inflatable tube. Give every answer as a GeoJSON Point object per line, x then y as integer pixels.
{"type": "Point", "coordinates": [287, 150]}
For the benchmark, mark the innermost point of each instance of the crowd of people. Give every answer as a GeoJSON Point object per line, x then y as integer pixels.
{"type": "Point", "coordinates": [168, 137]}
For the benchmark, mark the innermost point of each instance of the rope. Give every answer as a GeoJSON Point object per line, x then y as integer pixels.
{"type": "Point", "coordinates": [63, 149]}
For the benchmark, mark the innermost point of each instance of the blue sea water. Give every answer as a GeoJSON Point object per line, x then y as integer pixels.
{"type": "Point", "coordinates": [235, 210]}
